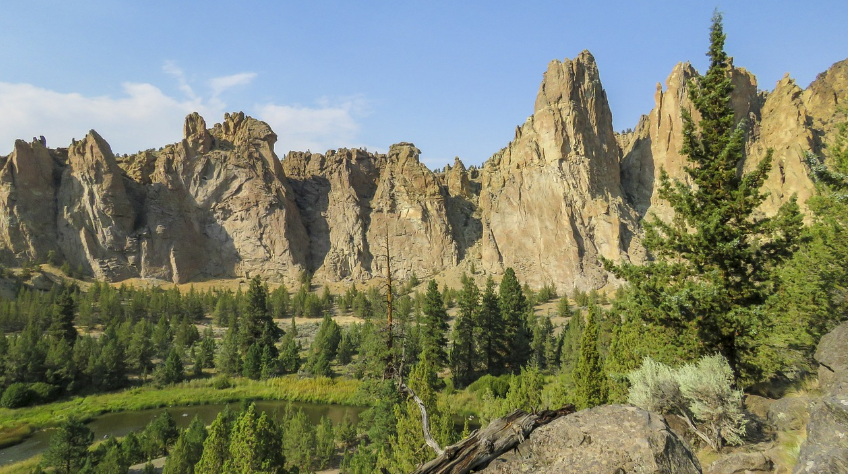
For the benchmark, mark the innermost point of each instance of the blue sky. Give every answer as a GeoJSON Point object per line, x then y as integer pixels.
{"type": "Point", "coordinates": [453, 77]}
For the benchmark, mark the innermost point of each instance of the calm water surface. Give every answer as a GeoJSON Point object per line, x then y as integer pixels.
{"type": "Point", "coordinates": [121, 424]}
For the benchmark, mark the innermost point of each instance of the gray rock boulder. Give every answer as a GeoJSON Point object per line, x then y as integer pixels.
{"type": "Point", "coordinates": [740, 463]}
{"type": "Point", "coordinates": [826, 448]}
{"type": "Point", "coordinates": [832, 356]}
{"type": "Point", "coordinates": [606, 439]}
{"type": "Point", "coordinates": [789, 413]}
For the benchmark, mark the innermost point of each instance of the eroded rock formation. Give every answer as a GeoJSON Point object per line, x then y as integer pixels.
{"type": "Point", "coordinates": [564, 193]}
{"type": "Point", "coordinates": [552, 201]}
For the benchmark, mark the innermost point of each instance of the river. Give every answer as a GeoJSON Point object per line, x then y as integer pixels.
{"type": "Point", "coordinates": [122, 423]}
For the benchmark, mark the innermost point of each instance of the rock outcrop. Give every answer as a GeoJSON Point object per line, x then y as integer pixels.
{"type": "Point", "coordinates": [564, 193]}
{"type": "Point", "coordinates": [28, 201]}
{"type": "Point", "coordinates": [351, 201]}
{"type": "Point", "coordinates": [552, 201]}
{"type": "Point", "coordinates": [826, 447]}
{"type": "Point", "coordinates": [789, 121]}
{"type": "Point", "coordinates": [215, 204]}
{"type": "Point", "coordinates": [606, 439]}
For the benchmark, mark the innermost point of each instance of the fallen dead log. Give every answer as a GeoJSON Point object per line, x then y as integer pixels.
{"type": "Point", "coordinates": [483, 446]}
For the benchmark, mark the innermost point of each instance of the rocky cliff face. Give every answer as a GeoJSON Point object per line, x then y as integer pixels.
{"type": "Point", "coordinates": [552, 200]}
{"type": "Point", "coordinates": [352, 201]}
{"type": "Point", "coordinates": [789, 121]}
{"type": "Point", "coordinates": [564, 193]}
{"type": "Point", "coordinates": [28, 201]}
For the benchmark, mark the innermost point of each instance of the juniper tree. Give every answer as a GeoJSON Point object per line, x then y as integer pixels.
{"type": "Point", "coordinates": [714, 260]}
{"type": "Point", "coordinates": [62, 326]}
{"type": "Point", "coordinates": [187, 450]}
{"type": "Point", "coordinates": [256, 445]}
{"type": "Point", "coordinates": [464, 354]}
{"type": "Point", "coordinates": [589, 376]}
{"type": "Point", "coordinates": [216, 446]}
{"type": "Point", "coordinates": [256, 324]}
{"type": "Point", "coordinates": [68, 450]}
{"type": "Point", "coordinates": [434, 326]}
{"type": "Point", "coordinates": [492, 337]}
{"type": "Point", "coordinates": [514, 307]}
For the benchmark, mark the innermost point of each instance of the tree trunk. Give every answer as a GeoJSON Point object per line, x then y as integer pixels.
{"type": "Point", "coordinates": [478, 450]}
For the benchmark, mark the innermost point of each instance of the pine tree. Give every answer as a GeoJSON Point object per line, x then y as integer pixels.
{"type": "Point", "coordinates": [256, 446]}
{"type": "Point", "coordinates": [68, 450]}
{"type": "Point", "coordinates": [229, 360]}
{"type": "Point", "coordinates": [216, 446]}
{"type": "Point", "coordinates": [289, 362]}
{"type": "Point", "coordinates": [252, 363]}
{"type": "Point", "coordinates": [434, 326]}
{"type": "Point", "coordinates": [589, 377]}
{"type": "Point", "coordinates": [465, 356]}
{"type": "Point", "coordinates": [172, 371]}
{"type": "Point", "coordinates": [346, 349]}
{"type": "Point", "coordinates": [62, 326]}
{"type": "Point", "coordinates": [299, 442]}
{"type": "Point", "coordinates": [493, 341]}
{"type": "Point", "coordinates": [111, 362]}
{"type": "Point", "coordinates": [256, 324]}
{"type": "Point", "coordinates": [715, 260]}
{"type": "Point", "coordinates": [140, 349]}
{"type": "Point", "coordinates": [160, 434]}
{"type": "Point", "coordinates": [409, 448]}
{"type": "Point", "coordinates": [187, 450]}
{"type": "Point", "coordinates": [542, 343]}
{"type": "Point", "coordinates": [112, 460]}
{"type": "Point", "coordinates": [325, 443]}
{"type": "Point", "coordinates": [326, 341]}
{"type": "Point", "coordinates": [514, 309]}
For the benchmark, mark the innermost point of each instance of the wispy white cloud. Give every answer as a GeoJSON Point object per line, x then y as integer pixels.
{"type": "Point", "coordinates": [143, 116]}
{"type": "Point", "coordinates": [172, 69]}
{"type": "Point", "coordinates": [332, 124]}
{"type": "Point", "coordinates": [221, 84]}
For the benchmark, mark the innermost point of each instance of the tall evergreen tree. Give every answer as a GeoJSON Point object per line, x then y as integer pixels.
{"type": "Point", "coordinates": [434, 327]}
{"type": "Point", "coordinates": [589, 376]}
{"type": "Point", "coordinates": [216, 446]}
{"type": "Point", "coordinates": [251, 366]}
{"type": "Point", "coordinates": [493, 341]}
{"type": "Point", "coordinates": [229, 360]}
{"type": "Point", "coordinates": [289, 361]}
{"type": "Point", "coordinates": [465, 356]}
{"type": "Point", "coordinates": [714, 261]}
{"type": "Point", "coordinates": [159, 435]}
{"type": "Point", "coordinates": [256, 324]}
{"type": "Point", "coordinates": [514, 309]}
{"type": "Point", "coordinates": [62, 325]}
{"type": "Point", "coordinates": [256, 446]}
{"type": "Point", "coordinates": [187, 450]}
{"type": "Point", "coordinates": [172, 371]}
{"type": "Point", "coordinates": [325, 443]}
{"type": "Point", "coordinates": [68, 450]}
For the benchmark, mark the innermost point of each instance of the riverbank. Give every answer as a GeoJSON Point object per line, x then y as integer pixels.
{"type": "Point", "coordinates": [18, 424]}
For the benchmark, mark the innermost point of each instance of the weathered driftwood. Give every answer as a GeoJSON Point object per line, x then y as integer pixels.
{"type": "Point", "coordinates": [425, 419]}
{"type": "Point", "coordinates": [483, 446]}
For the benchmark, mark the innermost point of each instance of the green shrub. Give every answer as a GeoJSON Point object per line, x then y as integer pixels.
{"type": "Point", "coordinates": [16, 395]}
{"type": "Point", "coordinates": [222, 382]}
{"type": "Point", "coordinates": [546, 293]}
{"type": "Point", "coordinates": [702, 393]}
{"type": "Point", "coordinates": [43, 392]}
{"type": "Point", "coordinates": [499, 386]}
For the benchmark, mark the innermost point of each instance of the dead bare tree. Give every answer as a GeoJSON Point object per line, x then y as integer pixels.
{"type": "Point", "coordinates": [483, 446]}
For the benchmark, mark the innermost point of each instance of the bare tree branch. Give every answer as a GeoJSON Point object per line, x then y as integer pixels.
{"type": "Point", "coordinates": [483, 446]}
